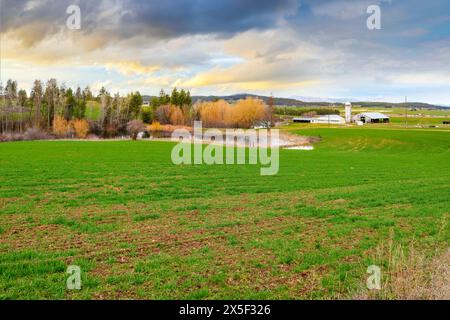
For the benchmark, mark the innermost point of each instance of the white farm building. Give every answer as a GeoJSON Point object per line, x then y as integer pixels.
{"type": "Point", "coordinates": [371, 117]}
{"type": "Point", "coordinates": [327, 119]}
{"type": "Point", "coordinates": [332, 118]}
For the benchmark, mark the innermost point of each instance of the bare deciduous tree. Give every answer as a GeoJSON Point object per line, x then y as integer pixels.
{"type": "Point", "coordinates": [134, 127]}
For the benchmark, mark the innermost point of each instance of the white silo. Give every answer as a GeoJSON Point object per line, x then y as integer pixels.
{"type": "Point", "coordinates": [348, 112]}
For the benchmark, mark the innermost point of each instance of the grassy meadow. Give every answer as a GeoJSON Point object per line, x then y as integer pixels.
{"type": "Point", "coordinates": [141, 227]}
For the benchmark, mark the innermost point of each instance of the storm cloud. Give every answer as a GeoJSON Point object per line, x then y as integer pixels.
{"type": "Point", "coordinates": [155, 19]}
{"type": "Point", "coordinates": [284, 47]}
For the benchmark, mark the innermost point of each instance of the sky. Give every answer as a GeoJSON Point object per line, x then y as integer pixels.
{"type": "Point", "coordinates": [288, 48]}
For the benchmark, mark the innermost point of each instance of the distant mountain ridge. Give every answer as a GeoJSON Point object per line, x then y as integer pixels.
{"type": "Point", "coordinates": [293, 102]}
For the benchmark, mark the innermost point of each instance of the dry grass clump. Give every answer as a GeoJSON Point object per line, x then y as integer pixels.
{"type": "Point", "coordinates": [411, 274]}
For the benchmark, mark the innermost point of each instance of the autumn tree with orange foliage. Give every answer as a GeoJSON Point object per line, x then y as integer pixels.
{"type": "Point", "coordinates": [155, 126]}
{"type": "Point", "coordinates": [60, 126]}
{"type": "Point", "coordinates": [176, 116]}
{"type": "Point", "coordinates": [81, 128]}
{"type": "Point", "coordinates": [214, 114]}
{"type": "Point", "coordinates": [248, 112]}
{"type": "Point", "coordinates": [244, 114]}
{"type": "Point", "coordinates": [171, 114]}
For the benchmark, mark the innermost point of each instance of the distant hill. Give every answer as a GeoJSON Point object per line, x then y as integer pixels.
{"type": "Point", "coordinates": [299, 103]}
{"type": "Point", "coordinates": [239, 96]}
{"type": "Point", "coordinates": [321, 99]}
{"type": "Point", "coordinates": [398, 105]}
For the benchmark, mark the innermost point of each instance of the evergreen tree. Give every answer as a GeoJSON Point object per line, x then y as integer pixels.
{"type": "Point", "coordinates": [182, 98]}
{"type": "Point", "coordinates": [188, 99]}
{"type": "Point", "coordinates": [87, 94]}
{"type": "Point", "coordinates": [135, 105]}
{"type": "Point", "coordinates": [154, 103]}
{"type": "Point", "coordinates": [174, 98]}
{"type": "Point", "coordinates": [163, 98]}
{"type": "Point", "coordinates": [70, 107]}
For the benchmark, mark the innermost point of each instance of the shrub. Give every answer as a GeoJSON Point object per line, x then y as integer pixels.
{"type": "Point", "coordinates": [110, 131]}
{"type": "Point", "coordinates": [162, 114]}
{"type": "Point", "coordinates": [81, 128]}
{"type": "Point", "coordinates": [36, 133]}
{"type": "Point", "coordinates": [30, 134]}
{"type": "Point", "coordinates": [134, 127]}
{"type": "Point", "coordinates": [60, 127]}
{"type": "Point", "coordinates": [146, 114]}
{"type": "Point", "coordinates": [95, 127]}
{"type": "Point", "coordinates": [9, 137]}
{"type": "Point", "coordinates": [164, 131]}
{"type": "Point", "coordinates": [155, 126]}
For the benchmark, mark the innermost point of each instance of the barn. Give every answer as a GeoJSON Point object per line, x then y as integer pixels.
{"type": "Point", "coordinates": [327, 119]}
{"type": "Point", "coordinates": [371, 117]}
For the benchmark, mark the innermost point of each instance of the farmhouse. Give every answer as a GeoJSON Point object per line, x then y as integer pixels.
{"type": "Point", "coordinates": [327, 119]}
{"type": "Point", "coordinates": [371, 117]}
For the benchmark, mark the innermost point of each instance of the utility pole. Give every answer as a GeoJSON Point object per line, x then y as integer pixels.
{"type": "Point", "coordinates": [406, 111]}
{"type": "Point", "coordinates": [329, 112]}
{"type": "Point", "coordinates": [271, 111]}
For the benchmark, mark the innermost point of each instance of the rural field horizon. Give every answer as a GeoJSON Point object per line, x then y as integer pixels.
{"type": "Point", "coordinates": [224, 155]}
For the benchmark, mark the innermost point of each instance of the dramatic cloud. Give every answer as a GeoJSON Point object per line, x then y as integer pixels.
{"type": "Point", "coordinates": [33, 21]}
{"type": "Point", "coordinates": [292, 47]}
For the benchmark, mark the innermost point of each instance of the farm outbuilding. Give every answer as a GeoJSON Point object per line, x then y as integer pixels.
{"type": "Point", "coordinates": [331, 118]}
{"type": "Point", "coordinates": [327, 119]}
{"type": "Point", "coordinates": [302, 120]}
{"type": "Point", "coordinates": [371, 117]}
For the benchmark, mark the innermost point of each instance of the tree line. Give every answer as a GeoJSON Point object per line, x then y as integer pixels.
{"type": "Point", "coordinates": [18, 111]}
{"type": "Point", "coordinates": [307, 112]}
{"type": "Point", "coordinates": [52, 107]}
{"type": "Point", "coordinates": [63, 112]}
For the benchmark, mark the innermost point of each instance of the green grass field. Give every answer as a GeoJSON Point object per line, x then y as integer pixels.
{"type": "Point", "coordinates": [401, 111]}
{"type": "Point", "coordinates": [141, 227]}
{"type": "Point", "coordinates": [424, 121]}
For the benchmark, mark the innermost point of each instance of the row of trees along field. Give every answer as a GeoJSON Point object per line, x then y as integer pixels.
{"type": "Point", "coordinates": [306, 112]}
{"type": "Point", "coordinates": [66, 112]}
{"type": "Point", "coordinates": [49, 106]}
{"type": "Point", "coordinates": [18, 111]}
{"type": "Point", "coordinates": [177, 109]}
